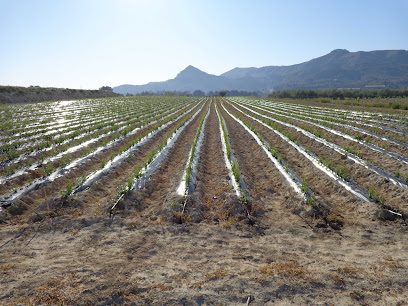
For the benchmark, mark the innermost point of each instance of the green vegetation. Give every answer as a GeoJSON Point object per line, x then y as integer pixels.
{"type": "Point", "coordinates": [353, 150]}
{"type": "Point", "coordinates": [375, 196]}
{"type": "Point", "coordinates": [308, 193]}
{"type": "Point", "coordinates": [341, 171]}
{"type": "Point", "coordinates": [235, 171]}
{"type": "Point", "coordinates": [328, 95]}
{"type": "Point", "coordinates": [193, 148]}
{"type": "Point", "coordinates": [66, 193]}
{"type": "Point", "coordinates": [138, 172]}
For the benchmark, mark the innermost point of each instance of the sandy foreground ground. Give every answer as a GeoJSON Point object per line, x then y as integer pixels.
{"type": "Point", "coordinates": [140, 259]}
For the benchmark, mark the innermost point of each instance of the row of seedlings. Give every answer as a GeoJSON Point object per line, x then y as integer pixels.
{"type": "Point", "coordinates": [236, 178]}
{"type": "Point", "coordinates": [141, 174]}
{"type": "Point", "coordinates": [123, 151]}
{"type": "Point", "coordinates": [187, 184]}
{"type": "Point", "coordinates": [129, 149]}
{"type": "Point", "coordinates": [349, 152]}
{"type": "Point", "coordinates": [298, 184]}
{"type": "Point", "coordinates": [115, 132]}
{"type": "Point", "coordinates": [371, 129]}
{"type": "Point", "coordinates": [352, 132]}
{"type": "Point", "coordinates": [63, 142]}
{"type": "Point", "coordinates": [339, 174]}
{"type": "Point", "coordinates": [383, 118]}
{"type": "Point", "coordinates": [328, 128]}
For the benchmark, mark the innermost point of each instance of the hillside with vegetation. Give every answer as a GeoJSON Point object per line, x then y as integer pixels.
{"type": "Point", "coordinates": [16, 94]}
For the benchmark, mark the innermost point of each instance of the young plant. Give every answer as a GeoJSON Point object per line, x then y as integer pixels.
{"type": "Point", "coordinates": [310, 200]}
{"type": "Point", "coordinates": [235, 171]}
{"type": "Point", "coordinates": [66, 193]}
{"type": "Point", "coordinates": [304, 186]}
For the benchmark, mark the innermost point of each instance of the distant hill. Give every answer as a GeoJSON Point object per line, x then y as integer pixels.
{"type": "Point", "coordinates": [338, 69]}
{"type": "Point", "coordinates": [189, 79]}
{"type": "Point", "coordinates": [16, 94]}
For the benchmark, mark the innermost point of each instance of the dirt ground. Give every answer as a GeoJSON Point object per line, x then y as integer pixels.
{"type": "Point", "coordinates": [212, 255]}
{"type": "Point", "coordinates": [139, 260]}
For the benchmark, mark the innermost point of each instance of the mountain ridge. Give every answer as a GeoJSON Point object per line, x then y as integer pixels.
{"type": "Point", "coordinates": [338, 69]}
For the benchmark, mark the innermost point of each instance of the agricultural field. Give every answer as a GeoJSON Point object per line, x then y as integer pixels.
{"type": "Point", "coordinates": [202, 201]}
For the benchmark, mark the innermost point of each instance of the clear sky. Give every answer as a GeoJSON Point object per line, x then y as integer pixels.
{"type": "Point", "coordinates": [90, 43]}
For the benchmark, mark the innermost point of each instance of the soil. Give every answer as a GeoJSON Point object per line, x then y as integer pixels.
{"type": "Point", "coordinates": [42, 194]}
{"type": "Point", "coordinates": [358, 174]}
{"type": "Point", "coordinates": [215, 198]}
{"type": "Point", "coordinates": [149, 253]}
{"type": "Point", "coordinates": [388, 163]}
{"type": "Point", "coordinates": [102, 156]}
{"type": "Point", "coordinates": [351, 107]}
{"type": "Point", "coordinates": [400, 149]}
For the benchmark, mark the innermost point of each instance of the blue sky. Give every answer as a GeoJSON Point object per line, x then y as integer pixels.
{"type": "Point", "coordinates": [90, 43]}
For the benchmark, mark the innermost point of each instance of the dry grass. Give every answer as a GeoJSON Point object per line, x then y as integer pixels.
{"type": "Point", "coordinates": [75, 231]}
{"type": "Point", "coordinates": [6, 267]}
{"type": "Point", "coordinates": [183, 217]}
{"type": "Point", "coordinates": [392, 264]}
{"type": "Point", "coordinates": [349, 271]}
{"type": "Point", "coordinates": [217, 274]}
{"type": "Point", "coordinates": [284, 269]}
{"type": "Point", "coordinates": [159, 287]}
{"type": "Point", "coordinates": [59, 291]}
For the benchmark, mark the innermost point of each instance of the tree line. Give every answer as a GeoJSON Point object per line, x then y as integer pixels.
{"type": "Point", "coordinates": [340, 94]}
{"type": "Point", "coordinates": [197, 93]}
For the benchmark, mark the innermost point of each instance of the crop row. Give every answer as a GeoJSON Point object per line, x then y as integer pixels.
{"type": "Point", "coordinates": [142, 172]}
{"type": "Point", "coordinates": [114, 132]}
{"type": "Point", "coordinates": [356, 132]}
{"type": "Point", "coordinates": [374, 130]}
{"type": "Point", "coordinates": [116, 147]}
{"type": "Point", "coordinates": [193, 155]}
{"type": "Point", "coordinates": [327, 131]}
{"type": "Point", "coordinates": [348, 175]}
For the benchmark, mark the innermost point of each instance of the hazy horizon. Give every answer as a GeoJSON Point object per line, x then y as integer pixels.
{"type": "Point", "coordinates": [89, 44]}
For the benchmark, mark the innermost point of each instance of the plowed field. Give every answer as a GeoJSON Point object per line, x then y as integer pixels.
{"type": "Point", "coordinates": [202, 201]}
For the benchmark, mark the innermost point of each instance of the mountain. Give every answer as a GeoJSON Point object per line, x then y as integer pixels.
{"type": "Point", "coordinates": [189, 79]}
{"type": "Point", "coordinates": [338, 69]}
